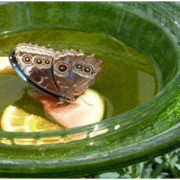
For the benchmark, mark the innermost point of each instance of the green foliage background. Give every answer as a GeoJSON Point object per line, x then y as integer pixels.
{"type": "Point", "coordinates": [165, 166]}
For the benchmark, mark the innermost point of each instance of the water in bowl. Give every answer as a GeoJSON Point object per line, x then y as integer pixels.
{"type": "Point", "coordinates": [128, 77]}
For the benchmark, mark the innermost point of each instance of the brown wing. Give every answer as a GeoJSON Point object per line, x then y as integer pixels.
{"type": "Point", "coordinates": [36, 63]}
{"type": "Point", "coordinates": [73, 72]}
{"type": "Point", "coordinates": [85, 69]}
{"type": "Point", "coordinates": [62, 71]}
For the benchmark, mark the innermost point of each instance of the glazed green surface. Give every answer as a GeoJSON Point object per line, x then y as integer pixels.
{"type": "Point", "coordinates": [146, 131]}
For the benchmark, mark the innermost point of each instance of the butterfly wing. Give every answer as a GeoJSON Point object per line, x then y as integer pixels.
{"type": "Point", "coordinates": [61, 74]}
{"type": "Point", "coordinates": [85, 69]}
{"type": "Point", "coordinates": [62, 68]}
{"type": "Point", "coordinates": [73, 72]}
{"type": "Point", "coordinates": [35, 62]}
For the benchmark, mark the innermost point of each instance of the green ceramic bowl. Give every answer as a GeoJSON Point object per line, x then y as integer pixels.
{"type": "Point", "coordinates": [146, 131]}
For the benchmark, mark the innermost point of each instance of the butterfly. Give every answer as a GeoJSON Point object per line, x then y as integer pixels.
{"type": "Point", "coordinates": [64, 75]}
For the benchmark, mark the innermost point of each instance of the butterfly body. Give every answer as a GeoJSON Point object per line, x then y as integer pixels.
{"type": "Point", "coordinates": [62, 74]}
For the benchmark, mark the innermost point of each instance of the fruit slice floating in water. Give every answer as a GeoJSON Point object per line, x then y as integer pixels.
{"type": "Point", "coordinates": [87, 109]}
{"type": "Point", "coordinates": [5, 66]}
{"type": "Point", "coordinates": [17, 120]}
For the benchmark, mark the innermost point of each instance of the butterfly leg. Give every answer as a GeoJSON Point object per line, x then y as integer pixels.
{"type": "Point", "coordinates": [70, 100]}
{"type": "Point", "coordinates": [60, 101]}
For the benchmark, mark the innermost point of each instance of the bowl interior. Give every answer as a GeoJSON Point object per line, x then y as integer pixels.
{"type": "Point", "coordinates": [141, 25]}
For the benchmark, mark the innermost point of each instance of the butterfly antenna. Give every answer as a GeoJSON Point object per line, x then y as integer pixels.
{"type": "Point", "coordinates": [86, 102]}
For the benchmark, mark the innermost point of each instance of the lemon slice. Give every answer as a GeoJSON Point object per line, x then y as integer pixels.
{"type": "Point", "coordinates": [16, 120]}
{"type": "Point", "coordinates": [5, 66]}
